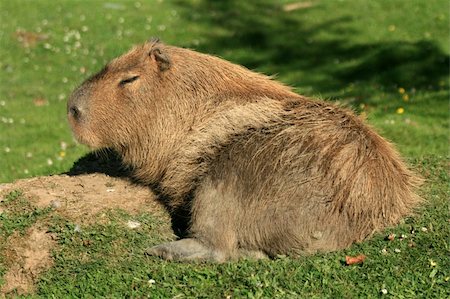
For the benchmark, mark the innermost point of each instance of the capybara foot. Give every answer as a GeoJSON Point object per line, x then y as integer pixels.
{"type": "Point", "coordinates": [185, 250]}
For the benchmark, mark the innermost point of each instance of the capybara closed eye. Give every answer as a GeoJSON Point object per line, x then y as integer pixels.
{"type": "Point", "coordinates": [260, 169]}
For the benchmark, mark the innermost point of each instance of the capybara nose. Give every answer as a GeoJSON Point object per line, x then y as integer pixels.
{"type": "Point", "coordinates": [74, 112]}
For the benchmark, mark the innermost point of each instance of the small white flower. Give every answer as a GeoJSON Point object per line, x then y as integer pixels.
{"type": "Point", "coordinates": [424, 229]}
{"type": "Point", "coordinates": [7, 149]}
{"type": "Point", "coordinates": [397, 250]}
{"type": "Point", "coordinates": [384, 291]}
{"type": "Point", "coordinates": [49, 161]}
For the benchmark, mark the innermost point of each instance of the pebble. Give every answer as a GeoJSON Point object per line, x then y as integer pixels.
{"type": "Point", "coordinates": [77, 228]}
{"type": "Point", "coordinates": [56, 204]}
{"type": "Point", "coordinates": [133, 224]}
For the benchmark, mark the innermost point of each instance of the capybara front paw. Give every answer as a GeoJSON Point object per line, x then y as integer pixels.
{"type": "Point", "coordinates": [184, 250]}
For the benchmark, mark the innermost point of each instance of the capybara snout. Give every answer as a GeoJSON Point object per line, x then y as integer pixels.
{"type": "Point", "coordinates": [260, 169]}
{"type": "Point", "coordinates": [77, 105]}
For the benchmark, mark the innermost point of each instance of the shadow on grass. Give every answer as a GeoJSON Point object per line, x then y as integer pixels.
{"type": "Point", "coordinates": [322, 56]}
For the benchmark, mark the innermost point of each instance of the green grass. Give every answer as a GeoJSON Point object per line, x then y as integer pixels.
{"type": "Point", "coordinates": [365, 54]}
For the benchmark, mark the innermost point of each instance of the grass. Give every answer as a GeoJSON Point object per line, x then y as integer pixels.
{"type": "Point", "coordinates": [386, 59]}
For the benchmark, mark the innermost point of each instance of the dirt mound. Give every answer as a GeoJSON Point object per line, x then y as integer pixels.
{"type": "Point", "coordinates": [83, 196]}
{"type": "Point", "coordinates": [80, 198]}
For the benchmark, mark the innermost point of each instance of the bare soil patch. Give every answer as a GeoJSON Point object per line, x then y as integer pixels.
{"type": "Point", "coordinates": [27, 256]}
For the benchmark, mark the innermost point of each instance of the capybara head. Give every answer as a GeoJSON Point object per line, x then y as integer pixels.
{"type": "Point", "coordinates": [102, 111]}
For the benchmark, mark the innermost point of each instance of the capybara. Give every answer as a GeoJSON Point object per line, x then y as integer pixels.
{"type": "Point", "coordinates": [261, 170]}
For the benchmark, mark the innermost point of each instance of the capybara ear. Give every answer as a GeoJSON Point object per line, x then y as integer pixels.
{"type": "Point", "coordinates": [154, 40]}
{"type": "Point", "coordinates": [160, 57]}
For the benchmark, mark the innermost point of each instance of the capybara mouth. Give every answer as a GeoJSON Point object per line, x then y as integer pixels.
{"type": "Point", "coordinates": [84, 136]}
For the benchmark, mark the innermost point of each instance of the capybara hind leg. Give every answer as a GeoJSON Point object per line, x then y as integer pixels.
{"type": "Point", "coordinates": [188, 249]}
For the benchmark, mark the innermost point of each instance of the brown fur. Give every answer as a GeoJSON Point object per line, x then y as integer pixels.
{"type": "Point", "coordinates": [260, 168]}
